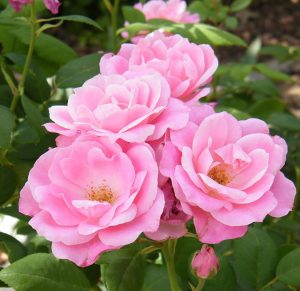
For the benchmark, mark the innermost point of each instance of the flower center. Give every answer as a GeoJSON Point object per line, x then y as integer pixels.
{"type": "Point", "coordinates": [102, 193]}
{"type": "Point", "coordinates": [220, 174]}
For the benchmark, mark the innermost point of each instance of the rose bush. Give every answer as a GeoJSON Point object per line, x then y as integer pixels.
{"type": "Point", "coordinates": [120, 176]}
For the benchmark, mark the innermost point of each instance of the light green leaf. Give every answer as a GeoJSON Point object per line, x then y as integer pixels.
{"type": "Point", "coordinates": [77, 18]}
{"type": "Point", "coordinates": [133, 15]}
{"type": "Point", "coordinates": [76, 72]}
{"type": "Point", "coordinates": [43, 272]}
{"type": "Point", "coordinates": [204, 33]}
{"type": "Point", "coordinates": [238, 5]}
{"type": "Point", "coordinates": [288, 269]}
{"type": "Point", "coordinates": [7, 124]}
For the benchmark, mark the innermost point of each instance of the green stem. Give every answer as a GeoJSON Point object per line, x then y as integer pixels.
{"type": "Point", "coordinates": [28, 58]}
{"type": "Point", "coordinates": [114, 23]}
{"type": "Point", "coordinates": [169, 252]}
{"type": "Point", "coordinates": [200, 285]}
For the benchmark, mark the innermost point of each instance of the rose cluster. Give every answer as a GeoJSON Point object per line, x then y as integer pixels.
{"type": "Point", "coordinates": [137, 153]}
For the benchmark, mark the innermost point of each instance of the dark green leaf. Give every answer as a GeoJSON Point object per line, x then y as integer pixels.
{"type": "Point", "coordinates": [13, 211]}
{"type": "Point", "coordinates": [36, 85]}
{"type": "Point", "coordinates": [238, 5]}
{"type": "Point", "coordinates": [13, 247]}
{"type": "Point", "coordinates": [133, 15]}
{"type": "Point", "coordinates": [8, 183]}
{"type": "Point", "coordinates": [77, 18]}
{"type": "Point", "coordinates": [7, 124]}
{"type": "Point", "coordinates": [266, 107]}
{"type": "Point", "coordinates": [285, 121]}
{"type": "Point", "coordinates": [156, 278]}
{"type": "Point", "coordinates": [185, 249]}
{"type": "Point", "coordinates": [124, 269]}
{"type": "Point", "coordinates": [288, 269]}
{"type": "Point", "coordinates": [34, 116]}
{"type": "Point", "coordinates": [271, 73]}
{"type": "Point", "coordinates": [43, 272]}
{"type": "Point", "coordinates": [74, 73]}
{"type": "Point", "coordinates": [224, 280]}
{"type": "Point", "coordinates": [255, 258]}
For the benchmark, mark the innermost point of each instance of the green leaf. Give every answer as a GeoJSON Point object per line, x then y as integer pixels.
{"type": "Point", "coordinates": [124, 269]}
{"type": "Point", "coordinates": [231, 22]}
{"type": "Point", "coordinates": [76, 72]}
{"type": "Point", "coordinates": [238, 5]}
{"type": "Point", "coordinates": [12, 246]}
{"type": "Point", "coordinates": [197, 33]}
{"type": "Point", "coordinates": [77, 18]}
{"type": "Point", "coordinates": [278, 51]}
{"type": "Point", "coordinates": [156, 278]}
{"type": "Point", "coordinates": [288, 269]}
{"type": "Point", "coordinates": [200, 8]}
{"type": "Point", "coordinates": [224, 280]}
{"type": "Point", "coordinates": [133, 15]}
{"type": "Point", "coordinates": [7, 124]}
{"type": "Point", "coordinates": [36, 85]}
{"type": "Point", "coordinates": [43, 272]}
{"type": "Point", "coordinates": [135, 28]}
{"type": "Point", "coordinates": [238, 114]}
{"type": "Point", "coordinates": [255, 259]}
{"type": "Point", "coordinates": [285, 121]}
{"type": "Point", "coordinates": [204, 33]}
{"type": "Point", "coordinates": [185, 249]}
{"type": "Point", "coordinates": [34, 116]}
{"type": "Point", "coordinates": [271, 73]}
{"type": "Point", "coordinates": [266, 107]}
{"type": "Point", "coordinates": [8, 182]}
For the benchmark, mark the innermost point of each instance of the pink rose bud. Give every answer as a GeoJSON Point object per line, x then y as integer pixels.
{"type": "Point", "coordinates": [18, 4]}
{"type": "Point", "coordinates": [52, 5]}
{"type": "Point", "coordinates": [205, 262]}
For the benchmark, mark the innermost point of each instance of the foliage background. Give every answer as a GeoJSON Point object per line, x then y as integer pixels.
{"type": "Point", "coordinates": [256, 79]}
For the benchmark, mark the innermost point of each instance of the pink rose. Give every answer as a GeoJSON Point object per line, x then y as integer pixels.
{"type": "Point", "coordinates": [93, 196]}
{"type": "Point", "coordinates": [205, 262]}
{"type": "Point", "coordinates": [133, 109]}
{"type": "Point", "coordinates": [174, 10]}
{"type": "Point", "coordinates": [173, 219]}
{"type": "Point", "coordinates": [51, 5]}
{"type": "Point", "coordinates": [188, 67]}
{"type": "Point", "coordinates": [226, 174]}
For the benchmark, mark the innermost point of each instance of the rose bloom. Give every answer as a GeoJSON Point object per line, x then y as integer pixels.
{"type": "Point", "coordinates": [188, 67]}
{"type": "Point", "coordinates": [226, 173]}
{"type": "Point", "coordinates": [205, 262]}
{"type": "Point", "coordinates": [173, 219]}
{"type": "Point", "coordinates": [135, 109]}
{"type": "Point", "coordinates": [174, 10]}
{"type": "Point", "coordinates": [51, 5]}
{"type": "Point", "coordinates": [93, 196]}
